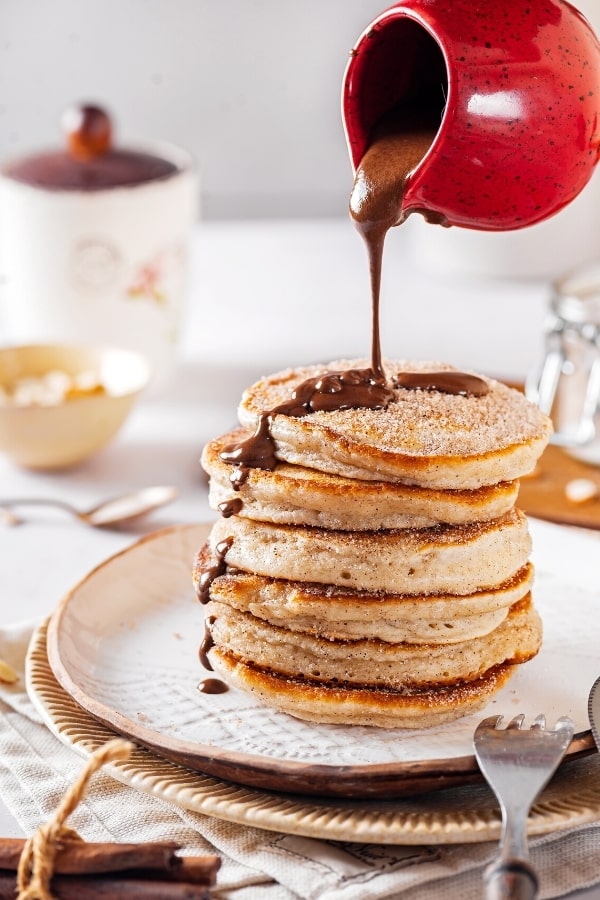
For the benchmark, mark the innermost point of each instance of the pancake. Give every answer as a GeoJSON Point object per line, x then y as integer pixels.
{"type": "Point", "coordinates": [294, 495]}
{"type": "Point", "coordinates": [341, 613]}
{"type": "Point", "coordinates": [347, 705]}
{"type": "Point", "coordinates": [370, 565]}
{"type": "Point", "coordinates": [426, 438]}
{"type": "Point", "coordinates": [460, 559]}
{"type": "Point", "coordinates": [374, 663]}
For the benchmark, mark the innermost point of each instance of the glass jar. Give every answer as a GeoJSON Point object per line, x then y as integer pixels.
{"type": "Point", "coordinates": [567, 384]}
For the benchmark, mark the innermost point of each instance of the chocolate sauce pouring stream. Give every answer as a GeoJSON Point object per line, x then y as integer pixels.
{"type": "Point", "coordinates": [399, 142]}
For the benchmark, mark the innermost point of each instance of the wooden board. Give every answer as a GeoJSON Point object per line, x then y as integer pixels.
{"type": "Point", "coordinates": [542, 494]}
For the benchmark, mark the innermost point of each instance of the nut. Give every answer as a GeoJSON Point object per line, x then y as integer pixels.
{"type": "Point", "coordinates": [578, 490]}
{"type": "Point", "coordinates": [50, 389]}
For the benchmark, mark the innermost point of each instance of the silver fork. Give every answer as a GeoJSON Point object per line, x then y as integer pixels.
{"type": "Point", "coordinates": [517, 763]}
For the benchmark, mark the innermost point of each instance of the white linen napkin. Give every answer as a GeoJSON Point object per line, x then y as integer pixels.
{"type": "Point", "coordinates": [36, 768]}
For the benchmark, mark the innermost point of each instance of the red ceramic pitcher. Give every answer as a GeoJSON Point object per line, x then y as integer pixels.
{"type": "Point", "coordinates": [517, 85]}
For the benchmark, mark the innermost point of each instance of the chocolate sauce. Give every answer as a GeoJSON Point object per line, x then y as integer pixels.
{"type": "Point", "coordinates": [230, 508]}
{"type": "Point", "coordinates": [255, 452]}
{"type": "Point", "coordinates": [207, 643]}
{"type": "Point", "coordinates": [212, 686]}
{"type": "Point", "coordinates": [348, 389]}
{"type": "Point", "coordinates": [239, 476]}
{"type": "Point", "coordinates": [209, 573]}
{"type": "Point", "coordinates": [446, 382]}
{"type": "Point", "coordinates": [399, 142]}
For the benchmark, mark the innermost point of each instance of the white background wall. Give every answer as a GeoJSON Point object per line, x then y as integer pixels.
{"type": "Point", "coordinates": [251, 87]}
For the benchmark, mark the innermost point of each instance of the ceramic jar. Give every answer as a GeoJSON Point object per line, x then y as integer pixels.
{"type": "Point", "coordinates": [87, 257]}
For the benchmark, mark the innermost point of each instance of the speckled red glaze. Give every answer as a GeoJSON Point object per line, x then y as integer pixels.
{"type": "Point", "coordinates": [520, 134]}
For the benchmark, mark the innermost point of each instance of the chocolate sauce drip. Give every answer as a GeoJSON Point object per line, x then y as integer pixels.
{"type": "Point", "coordinates": [239, 476]}
{"type": "Point", "coordinates": [255, 452]}
{"type": "Point", "coordinates": [230, 507]}
{"type": "Point", "coordinates": [212, 686]}
{"type": "Point", "coordinates": [445, 382]}
{"type": "Point", "coordinates": [349, 389]}
{"type": "Point", "coordinates": [210, 572]}
{"type": "Point", "coordinates": [207, 643]}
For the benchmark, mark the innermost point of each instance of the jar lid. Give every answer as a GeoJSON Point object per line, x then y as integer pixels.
{"type": "Point", "coordinates": [89, 162]}
{"type": "Point", "coordinates": [576, 295]}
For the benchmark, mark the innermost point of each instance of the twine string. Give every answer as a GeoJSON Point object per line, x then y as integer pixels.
{"type": "Point", "coordinates": [36, 864]}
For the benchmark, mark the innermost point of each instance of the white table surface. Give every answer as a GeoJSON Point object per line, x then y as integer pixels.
{"type": "Point", "coordinates": [263, 295]}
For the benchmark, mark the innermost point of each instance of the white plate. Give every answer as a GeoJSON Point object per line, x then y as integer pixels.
{"type": "Point", "coordinates": [457, 815]}
{"type": "Point", "coordinates": [124, 644]}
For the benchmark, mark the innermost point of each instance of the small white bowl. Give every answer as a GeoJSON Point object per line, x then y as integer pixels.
{"type": "Point", "coordinates": [57, 436]}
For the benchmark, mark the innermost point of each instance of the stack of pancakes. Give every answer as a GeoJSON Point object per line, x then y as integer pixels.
{"type": "Point", "coordinates": [379, 574]}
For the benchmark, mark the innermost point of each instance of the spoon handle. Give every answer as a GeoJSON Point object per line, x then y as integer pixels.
{"type": "Point", "coordinates": [8, 504]}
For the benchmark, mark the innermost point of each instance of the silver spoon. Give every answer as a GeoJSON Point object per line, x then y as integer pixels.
{"type": "Point", "coordinates": [115, 511]}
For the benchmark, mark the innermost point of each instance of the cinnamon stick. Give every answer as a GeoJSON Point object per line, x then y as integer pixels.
{"type": "Point", "coordinates": [110, 886]}
{"type": "Point", "coordinates": [155, 859]}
